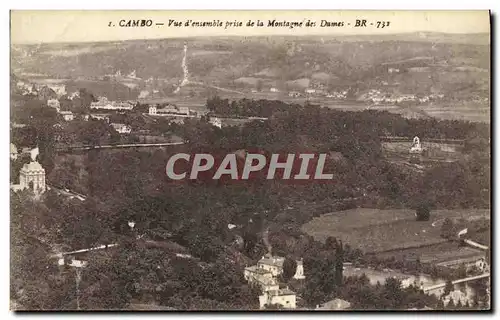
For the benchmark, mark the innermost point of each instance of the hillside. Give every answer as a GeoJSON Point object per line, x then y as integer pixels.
{"type": "Point", "coordinates": [454, 66]}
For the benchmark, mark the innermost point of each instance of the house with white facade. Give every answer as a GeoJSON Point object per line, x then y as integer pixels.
{"type": "Point", "coordinates": [169, 110]}
{"type": "Point", "coordinates": [272, 264]}
{"type": "Point", "coordinates": [104, 103]}
{"type": "Point", "coordinates": [13, 152]}
{"type": "Point", "coordinates": [121, 128]}
{"type": "Point", "coordinates": [54, 103]}
{"type": "Point", "coordinates": [216, 122]}
{"type": "Point", "coordinates": [67, 115]}
{"type": "Point", "coordinates": [285, 298]}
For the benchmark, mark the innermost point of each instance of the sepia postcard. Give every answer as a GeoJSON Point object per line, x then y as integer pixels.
{"type": "Point", "coordinates": [250, 160]}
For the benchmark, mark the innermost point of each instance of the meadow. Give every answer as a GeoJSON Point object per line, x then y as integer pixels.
{"type": "Point", "coordinates": [375, 230]}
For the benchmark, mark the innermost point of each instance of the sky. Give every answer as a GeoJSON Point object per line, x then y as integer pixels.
{"type": "Point", "coordinates": [93, 26]}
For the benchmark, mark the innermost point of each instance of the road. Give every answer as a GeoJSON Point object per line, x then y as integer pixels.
{"type": "Point", "coordinates": [441, 285]}
{"type": "Point", "coordinates": [67, 192]}
{"type": "Point", "coordinates": [118, 146]}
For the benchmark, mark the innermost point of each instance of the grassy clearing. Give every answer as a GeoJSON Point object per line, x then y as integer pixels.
{"type": "Point", "coordinates": [374, 230]}
{"type": "Point", "coordinates": [433, 254]}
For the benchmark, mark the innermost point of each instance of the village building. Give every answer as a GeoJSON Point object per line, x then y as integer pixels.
{"type": "Point", "coordinates": [143, 94]}
{"type": "Point", "coordinates": [335, 304]}
{"type": "Point", "coordinates": [67, 115]}
{"type": "Point", "coordinates": [294, 94]}
{"type": "Point", "coordinates": [59, 89]}
{"type": "Point", "coordinates": [285, 298]}
{"type": "Point", "coordinates": [274, 90]}
{"type": "Point", "coordinates": [255, 274]}
{"type": "Point", "coordinates": [73, 95]}
{"type": "Point", "coordinates": [271, 264]}
{"type": "Point", "coordinates": [121, 128]}
{"type": "Point", "coordinates": [310, 91]}
{"type": "Point", "coordinates": [169, 110]}
{"type": "Point", "coordinates": [98, 116]}
{"type": "Point", "coordinates": [104, 103]}
{"type": "Point", "coordinates": [54, 103]}
{"type": "Point", "coordinates": [17, 125]}
{"type": "Point", "coordinates": [216, 122]}
{"type": "Point", "coordinates": [13, 152]}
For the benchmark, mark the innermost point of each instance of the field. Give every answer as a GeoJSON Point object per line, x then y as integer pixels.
{"type": "Point", "coordinates": [374, 230]}
{"type": "Point", "coordinates": [433, 254]}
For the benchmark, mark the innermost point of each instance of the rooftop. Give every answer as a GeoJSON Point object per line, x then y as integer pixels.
{"type": "Point", "coordinates": [272, 261]}
{"type": "Point", "coordinates": [335, 304]}
{"type": "Point", "coordinates": [32, 166]}
{"type": "Point", "coordinates": [282, 292]}
{"type": "Point", "coordinates": [255, 269]}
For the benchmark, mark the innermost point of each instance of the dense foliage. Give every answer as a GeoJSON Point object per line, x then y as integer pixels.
{"type": "Point", "coordinates": [194, 217]}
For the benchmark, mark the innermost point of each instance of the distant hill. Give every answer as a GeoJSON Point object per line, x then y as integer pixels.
{"type": "Point", "coordinates": [236, 61]}
{"type": "Point", "coordinates": [111, 90]}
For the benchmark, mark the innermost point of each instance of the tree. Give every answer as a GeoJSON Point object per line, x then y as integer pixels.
{"type": "Point", "coordinates": [392, 293]}
{"type": "Point", "coordinates": [258, 85]}
{"type": "Point", "coordinates": [467, 305]}
{"type": "Point", "coordinates": [448, 288]}
{"type": "Point", "coordinates": [289, 268]}
{"type": "Point", "coordinates": [331, 243]}
{"type": "Point", "coordinates": [423, 212]}
{"type": "Point", "coordinates": [339, 263]}
{"type": "Point", "coordinates": [447, 229]}
{"type": "Point", "coordinates": [440, 305]}
{"type": "Point", "coordinates": [451, 305]}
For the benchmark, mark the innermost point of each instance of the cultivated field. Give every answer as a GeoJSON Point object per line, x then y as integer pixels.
{"type": "Point", "coordinates": [374, 230]}
{"type": "Point", "coordinates": [433, 254]}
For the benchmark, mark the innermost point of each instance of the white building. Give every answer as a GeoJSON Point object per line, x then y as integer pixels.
{"type": "Point", "coordinates": [310, 91]}
{"type": "Point", "coordinates": [31, 174]}
{"type": "Point", "coordinates": [335, 304]}
{"type": "Point", "coordinates": [98, 116]}
{"type": "Point", "coordinates": [67, 115]}
{"type": "Point", "coordinates": [274, 90]}
{"type": "Point", "coordinates": [285, 298]}
{"type": "Point", "coordinates": [143, 94]}
{"type": "Point", "coordinates": [73, 95]}
{"type": "Point", "coordinates": [54, 103]}
{"type": "Point", "coordinates": [255, 274]}
{"type": "Point", "coordinates": [13, 152]}
{"type": "Point", "coordinates": [59, 89]}
{"type": "Point", "coordinates": [216, 122]}
{"type": "Point", "coordinates": [169, 110]}
{"type": "Point", "coordinates": [121, 128]}
{"type": "Point", "coordinates": [104, 103]}
{"type": "Point", "coordinates": [272, 264]}
{"type": "Point", "coordinates": [72, 263]}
